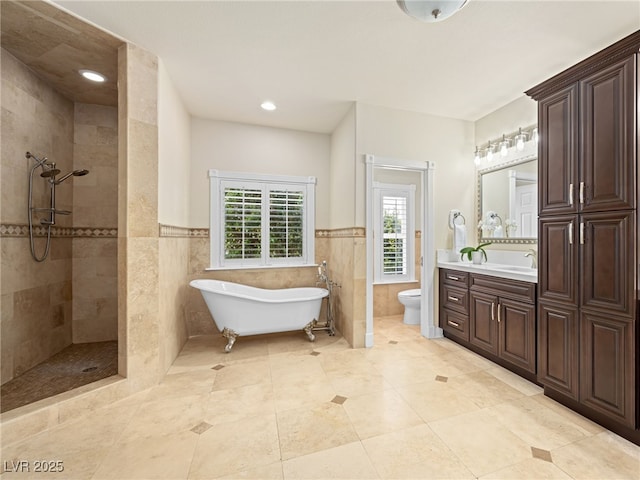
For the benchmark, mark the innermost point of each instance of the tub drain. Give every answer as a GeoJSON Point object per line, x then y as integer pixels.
{"type": "Point", "coordinates": [89, 369]}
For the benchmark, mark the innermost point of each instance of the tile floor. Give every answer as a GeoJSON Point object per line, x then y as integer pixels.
{"type": "Point", "coordinates": [279, 407]}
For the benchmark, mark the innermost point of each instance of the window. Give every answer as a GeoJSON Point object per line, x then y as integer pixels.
{"type": "Point", "coordinates": [395, 233]}
{"type": "Point", "coordinates": [261, 220]}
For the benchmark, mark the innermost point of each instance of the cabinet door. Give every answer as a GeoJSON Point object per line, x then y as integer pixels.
{"type": "Point", "coordinates": [607, 373]}
{"type": "Point", "coordinates": [608, 130]}
{"type": "Point", "coordinates": [558, 348]}
{"type": "Point", "coordinates": [557, 152]}
{"type": "Point", "coordinates": [517, 333]}
{"type": "Point", "coordinates": [483, 331]}
{"type": "Point", "coordinates": [608, 260]}
{"type": "Point", "coordinates": [558, 259]}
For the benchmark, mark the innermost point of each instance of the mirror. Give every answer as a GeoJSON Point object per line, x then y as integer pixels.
{"type": "Point", "coordinates": [508, 202]}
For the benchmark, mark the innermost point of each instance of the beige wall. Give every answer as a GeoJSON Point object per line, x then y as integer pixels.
{"type": "Point", "coordinates": [342, 173]}
{"type": "Point", "coordinates": [174, 166]}
{"type": "Point", "coordinates": [174, 152]}
{"type": "Point", "coordinates": [248, 148]}
{"type": "Point", "coordinates": [519, 113]}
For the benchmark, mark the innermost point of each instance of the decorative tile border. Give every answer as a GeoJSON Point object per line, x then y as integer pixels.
{"type": "Point", "coordinates": [351, 232]}
{"type": "Point", "coordinates": [16, 230]}
{"type": "Point", "coordinates": [173, 231]}
{"type": "Point", "coordinates": [182, 232]}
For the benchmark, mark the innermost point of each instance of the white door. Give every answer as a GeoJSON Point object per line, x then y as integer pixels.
{"type": "Point", "coordinates": [527, 211]}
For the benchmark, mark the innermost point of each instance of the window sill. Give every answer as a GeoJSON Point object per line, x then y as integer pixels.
{"type": "Point", "coordinates": [261, 267]}
{"type": "Point", "coordinates": [391, 282]}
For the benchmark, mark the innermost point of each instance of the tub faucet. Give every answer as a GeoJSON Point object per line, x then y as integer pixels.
{"type": "Point", "coordinates": [534, 257]}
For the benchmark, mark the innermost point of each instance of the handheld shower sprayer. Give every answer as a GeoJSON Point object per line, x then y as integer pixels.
{"type": "Point", "coordinates": [49, 171]}
{"type": "Point", "coordinates": [75, 173]}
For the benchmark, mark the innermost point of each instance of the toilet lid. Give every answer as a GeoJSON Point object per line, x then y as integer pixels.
{"type": "Point", "coordinates": [415, 292]}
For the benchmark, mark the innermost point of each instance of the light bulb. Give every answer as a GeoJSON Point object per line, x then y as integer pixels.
{"type": "Point", "coordinates": [504, 146]}
{"type": "Point", "coordinates": [476, 158]}
{"type": "Point", "coordinates": [489, 152]}
{"type": "Point", "coordinates": [520, 139]}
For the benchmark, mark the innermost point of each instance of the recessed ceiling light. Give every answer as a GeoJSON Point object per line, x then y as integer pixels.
{"type": "Point", "coordinates": [93, 76]}
{"type": "Point", "coordinates": [269, 106]}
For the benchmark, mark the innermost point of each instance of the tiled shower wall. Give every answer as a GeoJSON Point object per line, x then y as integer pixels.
{"type": "Point", "coordinates": [95, 211]}
{"type": "Point", "coordinates": [38, 299]}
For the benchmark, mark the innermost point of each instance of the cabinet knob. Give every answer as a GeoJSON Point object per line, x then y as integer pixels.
{"type": "Point", "coordinates": [453, 323]}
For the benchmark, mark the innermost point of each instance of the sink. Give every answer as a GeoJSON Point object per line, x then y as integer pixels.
{"type": "Point", "coordinates": [515, 268]}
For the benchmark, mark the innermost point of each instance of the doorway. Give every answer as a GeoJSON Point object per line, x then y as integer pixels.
{"type": "Point", "coordinates": [422, 172]}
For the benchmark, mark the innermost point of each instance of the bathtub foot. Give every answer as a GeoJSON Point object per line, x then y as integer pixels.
{"type": "Point", "coordinates": [231, 336]}
{"type": "Point", "coordinates": [308, 329]}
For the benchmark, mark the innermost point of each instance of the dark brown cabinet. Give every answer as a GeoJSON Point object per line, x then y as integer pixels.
{"type": "Point", "coordinates": [588, 240]}
{"type": "Point", "coordinates": [454, 303]}
{"type": "Point", "coordinates": [502, 319]}
{"type": "Point", "coordinates": [493, 316]}
{"type": "Point", "coordinates": [558, 348]}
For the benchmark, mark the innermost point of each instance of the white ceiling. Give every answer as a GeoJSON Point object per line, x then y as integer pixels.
{"type": "Point", "coordinates": [314, 58]}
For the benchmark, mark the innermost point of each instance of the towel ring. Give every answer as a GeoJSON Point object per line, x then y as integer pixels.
{"type": "Point", "coordinates": [494, 215]}
{"type": "Point", "coordinates": [456, 215]}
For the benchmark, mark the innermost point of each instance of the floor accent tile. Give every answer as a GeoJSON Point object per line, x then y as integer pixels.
{"type": "Point", "coordinates": [393, 342]}
{"type": "Point", "coordinates": [218, 367]}
{"type": "Point", "coordinates": [315, 354]}
{"type": "Point", "coordinates": [201, 428]}
{"type": "Point", "coordinates": [541, 454]}
{"type": "Point", "coordinates": [440, 378]}
{"type": "Point", "coordinates": [339, 399]}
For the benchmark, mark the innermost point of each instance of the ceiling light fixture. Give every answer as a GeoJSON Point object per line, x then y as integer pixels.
{"type": "Point", "coordinates": [431, 11]}
{"type": "Point", "coordinates": [93, 76]}
{"type": "Point", "coordinates": [268, 106]}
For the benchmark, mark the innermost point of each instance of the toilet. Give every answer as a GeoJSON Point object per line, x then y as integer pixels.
{"type": "Point", "coordinates": [411, 301]}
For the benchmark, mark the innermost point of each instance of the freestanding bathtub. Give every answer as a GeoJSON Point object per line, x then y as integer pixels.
{"type": "Point", "coordinates": [243, 310]}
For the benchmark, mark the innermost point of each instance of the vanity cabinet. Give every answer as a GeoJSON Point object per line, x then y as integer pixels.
{"type": "Point", "coordinates": [493, 316]}
{"type": "Point", "coordinates": [502, 319]}
{"type": "Point", "coordinates": [588, 240]}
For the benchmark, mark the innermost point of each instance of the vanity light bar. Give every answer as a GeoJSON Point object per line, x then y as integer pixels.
{"type": "Point", "coordinates": [514, 140]}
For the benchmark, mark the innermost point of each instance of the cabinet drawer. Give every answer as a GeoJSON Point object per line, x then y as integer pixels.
{"type": "Point", "coordinates": [454, 277]}
{"type": "Point", "coordinates": [455, 298]}
{"type": "Point", "coordinates": [455, 323]}
{"type": "Point", "coordinates": [504, 287]}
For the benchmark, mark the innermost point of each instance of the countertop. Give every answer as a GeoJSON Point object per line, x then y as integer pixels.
{"type": "Point", "coordinates": [514, 272]}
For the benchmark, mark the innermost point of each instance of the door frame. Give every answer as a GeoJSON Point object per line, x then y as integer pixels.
{"type": "Point", "coordinates": [428, 328]}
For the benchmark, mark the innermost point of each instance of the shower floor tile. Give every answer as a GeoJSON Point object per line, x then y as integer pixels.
{"type": "Point", "coordinates": [72, 367]}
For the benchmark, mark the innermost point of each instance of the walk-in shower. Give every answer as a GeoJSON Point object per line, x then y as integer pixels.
{"type": "Point", "coordinates": [48, 171]}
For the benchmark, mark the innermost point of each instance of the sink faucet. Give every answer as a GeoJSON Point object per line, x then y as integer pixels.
{"type": "Point", "coordinates": [534, 257]}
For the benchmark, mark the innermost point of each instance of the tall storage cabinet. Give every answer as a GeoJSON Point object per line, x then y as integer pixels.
{"type": "Point", "coordinates": [588, 236]}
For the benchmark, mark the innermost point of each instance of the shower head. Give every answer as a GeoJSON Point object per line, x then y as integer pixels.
{"type": "Point", "coordinates": [50, 173]}
{"type": "Point", "coordinates": [75, 173]}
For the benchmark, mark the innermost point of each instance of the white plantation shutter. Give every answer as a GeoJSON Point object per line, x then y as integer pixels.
{"type": "Point", "coordinates": [242, 223]}
{"type": "Point", "coordinates": [261, 220]}
{"type": "Point", "coordinates": [286, 223]}
{"type": "Point", "coordinates": [394, 235]}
